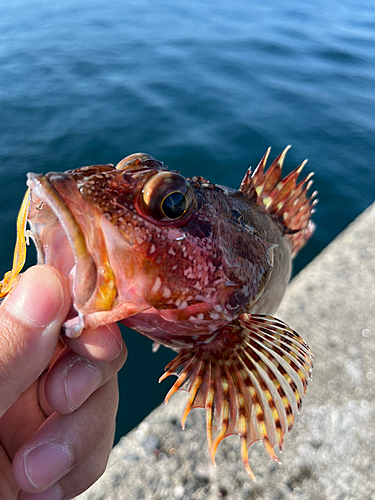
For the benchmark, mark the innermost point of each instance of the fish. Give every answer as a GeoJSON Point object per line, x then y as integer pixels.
{"type": "Point", "coordinates": [194, 266]}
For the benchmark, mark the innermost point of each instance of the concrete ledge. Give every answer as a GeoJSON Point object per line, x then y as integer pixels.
{"type": "Point", "coordinates": [330, 453]}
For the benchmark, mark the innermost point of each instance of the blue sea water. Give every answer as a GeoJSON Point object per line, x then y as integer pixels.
{"type": "Point", "coordinates": [206, 87]}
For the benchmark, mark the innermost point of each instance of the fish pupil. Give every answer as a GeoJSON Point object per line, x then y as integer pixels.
{"type": "Point", "coordinates": [174, 205]}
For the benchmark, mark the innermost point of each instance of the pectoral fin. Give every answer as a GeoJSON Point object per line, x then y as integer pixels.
{"type": "Point", "coordinates": [249, 379]}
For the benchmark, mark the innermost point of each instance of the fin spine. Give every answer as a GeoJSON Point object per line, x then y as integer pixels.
{"type": "Point", "coordinates": [284, 199]}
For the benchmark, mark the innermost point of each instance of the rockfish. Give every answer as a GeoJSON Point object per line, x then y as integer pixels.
{"type": "Point", "coordinates": [194, 266]}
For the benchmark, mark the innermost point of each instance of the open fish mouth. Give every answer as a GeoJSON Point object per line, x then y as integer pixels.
{"type": "Point", "coordinates": [67, 239]}
{"type": "Point", "coordinates": [42, 188]}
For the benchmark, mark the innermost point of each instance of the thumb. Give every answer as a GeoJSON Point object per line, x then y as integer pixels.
{"type": "Point", "coordinates": [30, 324]}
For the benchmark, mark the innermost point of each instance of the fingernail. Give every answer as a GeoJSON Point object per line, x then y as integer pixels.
{"type": "Point", "coordinates": [47, 463]}
{"type": "Point", "coordinates": [80, 382]}
{"type": "Point", "coordinates": [37, 298]}
{"type": "Point", "coordinates": [53, 493]}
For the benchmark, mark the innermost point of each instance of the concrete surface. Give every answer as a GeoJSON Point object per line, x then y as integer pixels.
{"type": "Point", "coordinates": [330, 452]}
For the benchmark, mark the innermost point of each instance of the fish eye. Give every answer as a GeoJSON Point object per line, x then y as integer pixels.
{"type": "Point", "coordinates": [174, 205]}
{"type": "Point", "coordinates": [167, 199]}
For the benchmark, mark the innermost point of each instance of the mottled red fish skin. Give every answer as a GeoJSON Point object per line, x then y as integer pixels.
{"type": "Point", "coordinates": [181, 271]}
{"type": "Point", "coordinates": [217, 258]}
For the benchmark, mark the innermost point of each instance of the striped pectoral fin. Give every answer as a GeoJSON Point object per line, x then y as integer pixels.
{"type": "Point", "coordinates": [250, 380]}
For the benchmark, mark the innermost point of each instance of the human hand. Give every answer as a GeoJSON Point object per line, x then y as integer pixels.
{"type": "Point", "coordinates": [57, 402]}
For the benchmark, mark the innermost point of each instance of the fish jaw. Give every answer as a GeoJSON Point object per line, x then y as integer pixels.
{"type": "Point", "coordinates": [44, 192]}
{"type": "Point", "coordinates": [68, 235]}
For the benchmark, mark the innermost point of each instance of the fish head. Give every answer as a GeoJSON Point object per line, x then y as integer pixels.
{"type": "Point", "coordinates": [139, 236]}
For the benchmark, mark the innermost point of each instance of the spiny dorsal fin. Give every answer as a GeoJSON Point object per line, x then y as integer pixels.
{"type": "Point", "coordinates": [249, 379]}
{"type": "Point", "coordinates": [284, 199]}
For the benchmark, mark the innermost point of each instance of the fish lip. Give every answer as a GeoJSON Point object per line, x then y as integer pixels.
{"type": "Point", "coordinates": [85, 277]}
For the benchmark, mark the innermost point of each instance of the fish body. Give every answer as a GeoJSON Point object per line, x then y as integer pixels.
{"type": "Point", "coordinates": [230, 258]}
{"type": "Point", "coordinates": [194, 266]}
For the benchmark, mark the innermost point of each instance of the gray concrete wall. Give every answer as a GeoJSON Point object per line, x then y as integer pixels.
{"type": "Point", "coordinates": [330, 453]}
